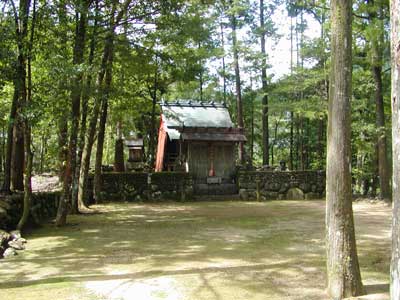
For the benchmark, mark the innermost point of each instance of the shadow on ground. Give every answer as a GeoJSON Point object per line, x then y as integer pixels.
{"type": "Point", "coordinates": [208, 250]}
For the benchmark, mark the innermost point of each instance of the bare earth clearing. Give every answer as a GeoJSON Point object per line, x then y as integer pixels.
{"type": "Point", "coordinates": [193, 251]}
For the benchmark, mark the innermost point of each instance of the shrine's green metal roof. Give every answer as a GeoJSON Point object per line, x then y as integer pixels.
{"type": "Point", "coordinates": [195, 114]}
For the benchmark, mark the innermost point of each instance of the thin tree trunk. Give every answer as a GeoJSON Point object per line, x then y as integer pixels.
{"type": "Point", "coordinates": [239, 105]}
{"type": "Point", "coordinates": [395, 53]}
{"type": "Point", "coordinates": [18, 157]}
{"type": "Point", "coordinates": [9, 146]}
{"type": "Point", "coordinates": [62, 145]}
{"type": "Point", "coordinates": [153, 133]}
{"type": "Point", "coordinates": [252, 130]}
{"type": "Point", "coordinates": [119, 163]}
{"type": "Point", "coordinates": [291, 142]}
{"type": "Point", "coordinates": [42, 153]}
{"type": "Point", "coordinates": [300, 137]}
{"type": "Point", "coordinates": [99, 152]}
{"type": "Point", "coordinates": [275, 139]}
{"type": "Point", "coordinates": [375, 168]}
{"type": "Point", "coordinates": [377, 42]}
{"type": "Point", "coordinates": [83, 130]}
{"type": "Point", "coordinates": [201, 79]}
{"type": "Point", "coordinates": [265, 129]}
{"type": "Point", "coordinates": [344, 279]}
{"type": "Point", "coordinates": [383, 164]}
{"type": "Point", "coordinates": [90, 135]}
{"type": "Point", "coordinates": [2, 149]}
{"type": "Point", "coordinates": [27, 177]}
{"type": "Point", "coordinates": [223, 60]}
{"type": "Point", "coordinates": [76, 91]}
{"type": "Point", "coordinates": [102, 126]}
{"type": "Point", "coordinates": [114, 20]}
{"type": "Point", "coordinates": [62, 122]}
{"type": "Point", "coordinates": [25, 100]}
{"type": "Point", "coordinates": [320, 143]}
{"type": "Point", "coordinates": [297, 142]}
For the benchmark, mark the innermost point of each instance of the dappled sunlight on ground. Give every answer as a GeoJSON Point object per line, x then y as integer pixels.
{"type": "Point", "coordinates": [207, 250]}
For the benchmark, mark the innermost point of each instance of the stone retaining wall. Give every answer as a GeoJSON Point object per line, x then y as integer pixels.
{"type": "Point", "coordinates": [44, 206]}
{"type": "Point", "coordinates": [145, 186]}
{"type": "Point", "coordinates": [271, 185]}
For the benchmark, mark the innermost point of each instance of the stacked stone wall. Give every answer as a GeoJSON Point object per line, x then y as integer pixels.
{"type": "Point", "coordinates": [271, 185]}
{"type": "Point", "coordinates": [43, 207]}
{"type": "Point", "coordinates": [144, 186]}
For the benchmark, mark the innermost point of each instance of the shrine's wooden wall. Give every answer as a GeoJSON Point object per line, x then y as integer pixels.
{"type": "Point", "coordinates": [200, 155]}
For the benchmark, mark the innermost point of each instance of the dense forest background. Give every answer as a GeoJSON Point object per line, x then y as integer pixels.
{"type": "Point", "coordinates": [80, 74]}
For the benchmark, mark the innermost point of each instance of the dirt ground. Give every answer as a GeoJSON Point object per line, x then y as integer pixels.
{"type": "Point", "coordinates": [194, 251]}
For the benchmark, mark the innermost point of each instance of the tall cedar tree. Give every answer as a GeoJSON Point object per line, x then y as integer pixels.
{"type": "Point", "coordinates": [265, 133]}
{"type": "Point", "coordinates": [395, 53]}
{"type": "Point", "coordinates": [377, 44]}
{"type": "Point", "coordinates": [344, 279]}
{"type": "Point", "coordinates": [239, 103]}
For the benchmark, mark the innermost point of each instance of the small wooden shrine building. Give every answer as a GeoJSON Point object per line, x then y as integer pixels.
{"type": "Point", "coordinates": [199, 138]}
{"type": "Point", "coordinates": [136, 155]}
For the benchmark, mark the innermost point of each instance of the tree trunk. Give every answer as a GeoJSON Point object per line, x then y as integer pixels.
{"type": "Point", "coordinates": [9, 146]}
{"type": "Point", "coordinates": [27, 141]}
{"type": "Point", "coordinates": [320, 143]}
{"type": "Point", "coordinates": [383, 164]}
{"type": "Point", "coordinates": [239, 105]}
{"type": "Point", "coordinates": [3, 148]}
{"type": "Point", "coordinates": [114, 20]}
{"type": "Point", "coordinates": [101, 130]}
{"type": "Point", "coordinates": [252, 129]}
{"type": "Point", "coordinates": [99, 151]}
{"type": "Point", "coordinates": [291, 142]}
{"type": "Point", "coordinates": [344, 279]}
{"type": "Point", "coordinates": [90, 135]}
{"type": "Point", "coordinates": [375, 168]}
{"type": "Point", "coordinates": [395, 53]}
{"type": "Point", "coordinates": [62, 123]}
{"type": "Point", "coordinates": [377, 42]}
{"type": "Point", "coordinates": [265, 130]}
{"type": "Point", "coordinates": [201, 79]}
{"type": "Point", "coordinates": [27, 178]}
{"type": "Point", "coordinates": [297, 143]}
{"type": "Point", "coordinates": [78, 58]}
{"type": "Point", "coordinates": [223, 59]}
{"type": "Point", "coordinates": [275, 139]}
{"type": "Point", "coordinates": [18, 158]}
{"type": "Point", "coordinates": [25, 100]}
{"type": "Point", "coordinates": [119, 162]}
{"type": "Point", "coordinates": [43, 150]}
{"type": "Point", "coordinates": [153, 134]}
{"type": "Point", "coordinates": [17, 153]}
{"type": "Point", "coordinates": [300, 137]}
{"type": "Point", "coordinates": [62, 145]}
{"type": "Point", "coordinates": [83, 137]}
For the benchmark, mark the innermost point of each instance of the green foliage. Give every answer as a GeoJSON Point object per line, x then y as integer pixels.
{"type": "Point", "coordinates": [168, 50]}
